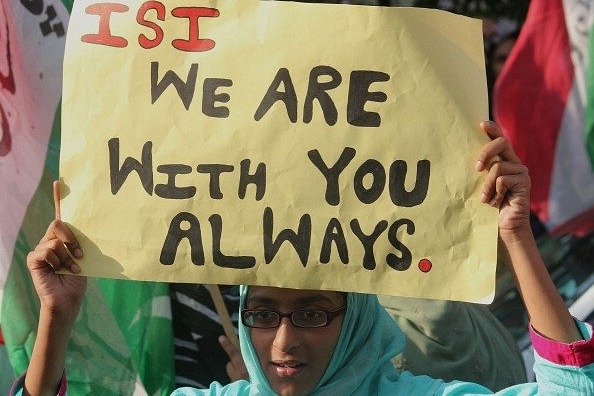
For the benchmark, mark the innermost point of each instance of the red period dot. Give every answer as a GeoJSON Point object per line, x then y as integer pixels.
{"type": "Point", "coordinates": [425, 265]}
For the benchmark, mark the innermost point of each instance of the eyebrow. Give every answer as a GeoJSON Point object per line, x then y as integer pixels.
{"type": "Point", "coordinates": [316, 298]}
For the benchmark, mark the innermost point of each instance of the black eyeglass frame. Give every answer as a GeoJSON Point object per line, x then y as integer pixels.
{"type": "Point", "coordinates": [330, 315]}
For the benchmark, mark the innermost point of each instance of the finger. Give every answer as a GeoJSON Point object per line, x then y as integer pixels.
{"type": "Point", "coordinates": [53, 253]}
{"type": "Point", "coordinates": [236, 374]}
{"type": "Point", "coordinates": [232, 350]}
{"type": "Point", "coordinates": [57, 213]}
{"type": "Point", "coordinates": [499, 195]}
{"type": "Point", "coordinates": [59, 230]}
{"type": "Point", "coordinates": [498, 147]}
{"type": "Point", "coordinates": [40, 258]}
{"type": "Point", "coordinates": [496, 150]}
{"type": "Point", "coordinates": [492, 190]}
{"type": "Point", "coordinates": [505, 187]}
{"type": "Point", "coordinates": [236, 368]}
{"type": "Point", "coordinates": [491, 129]}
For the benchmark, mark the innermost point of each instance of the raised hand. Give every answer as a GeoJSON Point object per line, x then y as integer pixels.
{"type": "Point", "coordinates": [507, 184]}
{"type": "Point", "coordinates": [54, 252]}
{"type": "Point", "coordinates": [236, 369]}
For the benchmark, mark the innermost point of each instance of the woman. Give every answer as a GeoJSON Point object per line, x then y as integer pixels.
{"type": "Point", "coordinates": [299, 342]}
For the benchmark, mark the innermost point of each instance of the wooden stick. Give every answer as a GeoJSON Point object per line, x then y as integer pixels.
{"type": "Point", "coordinates": [57, 212]}
{"type": "Point", "coordinates": [217, 298]}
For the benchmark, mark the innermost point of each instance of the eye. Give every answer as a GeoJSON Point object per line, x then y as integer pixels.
{"type": "Point", "coordinates": [312, 314]}
{"type": "Point", "coordinates": [262, 315]}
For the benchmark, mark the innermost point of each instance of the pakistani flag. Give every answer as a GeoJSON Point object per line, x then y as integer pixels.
{"type": "Point", "coordinates": [544, 101]}
{"type": "Point", "coordinates": [122, 342]}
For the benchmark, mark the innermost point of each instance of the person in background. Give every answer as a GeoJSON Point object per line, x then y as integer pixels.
{"type": "Point", "coordinates": [455, 340]}
{"type": "Point", "coordinates": [498, 52]}
{"type": "Point", "coordinates": [499, 37]}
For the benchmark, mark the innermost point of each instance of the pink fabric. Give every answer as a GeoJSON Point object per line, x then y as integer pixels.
{"type": "Point", "coordinates": [577, 354]}
{"type": "Point", "coordinates": [19, 384]}
{"type": "Point", "coordinates": [63, 386]}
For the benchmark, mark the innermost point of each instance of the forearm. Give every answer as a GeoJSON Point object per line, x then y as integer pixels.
{"type": "Point", "coordinates": [547, 310]}
{"type": "Point", "coordinates": [49, 354]}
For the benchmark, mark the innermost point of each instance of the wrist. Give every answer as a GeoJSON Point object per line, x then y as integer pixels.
{"type": "Point", "coordinates": [516, 236]}
{"type": "Point", "coordinates": [62, 319]}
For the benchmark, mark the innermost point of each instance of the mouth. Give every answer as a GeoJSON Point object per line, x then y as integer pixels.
{"type": "Point", "coordinates": [288, 368]}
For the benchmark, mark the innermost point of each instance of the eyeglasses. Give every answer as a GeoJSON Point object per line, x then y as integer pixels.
{"type": "Point", "coordinates": [304, 318]}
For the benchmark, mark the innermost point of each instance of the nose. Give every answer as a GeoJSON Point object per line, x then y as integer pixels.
{"type": "Point", "coordinates": [286, 337]}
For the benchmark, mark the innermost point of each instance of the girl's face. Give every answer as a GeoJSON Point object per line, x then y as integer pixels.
{"type": "Point", "coordinates": [294, 359]}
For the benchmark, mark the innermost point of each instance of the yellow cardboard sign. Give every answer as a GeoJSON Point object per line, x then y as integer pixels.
{"type": "Point", "coordinates": [278, 143]}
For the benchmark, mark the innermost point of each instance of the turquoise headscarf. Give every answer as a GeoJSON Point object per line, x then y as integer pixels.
{"type": "Point", "coordinates": [361, 362]}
